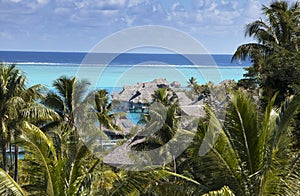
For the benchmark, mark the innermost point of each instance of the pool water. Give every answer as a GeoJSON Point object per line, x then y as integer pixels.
{"type": "Point", "coordinates": [134, 117]}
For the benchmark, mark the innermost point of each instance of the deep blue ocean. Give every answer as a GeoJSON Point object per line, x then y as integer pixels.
{"type": "Point", "coordinates": [113, 71]}
{"type": "Point", "coordinates": [76, 58]}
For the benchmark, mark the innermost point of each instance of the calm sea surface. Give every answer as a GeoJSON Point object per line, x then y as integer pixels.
{"type": "Point", "coordinates": [113, 71]}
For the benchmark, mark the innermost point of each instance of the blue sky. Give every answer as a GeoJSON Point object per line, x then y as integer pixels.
{"type": "Point", "coordinates": [78, 25]}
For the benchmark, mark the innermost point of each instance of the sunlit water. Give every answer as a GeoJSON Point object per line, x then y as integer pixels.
{"type": "Point", "coordinates": [114, 76]}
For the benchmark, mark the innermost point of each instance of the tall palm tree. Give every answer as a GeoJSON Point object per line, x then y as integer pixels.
{"type": "Point", "coordinates": [69, 94]}
{"type": "Point", "coordinates": [99, 102]}
{"type": "Point", "coordinates": [280, 29]}
{"type": "Point", "coordinates": [103, 110]}
{"type": "Point", "coordinates": [278, 40]}
{"type": "Point", "coordinates": [18, 104]}
{"type": "Point", "coordinates": [25, 109]}
{"type": "Point", "coordinates": [11, 84]}
{"type": "Point", "coordinates": [162, 123]}
{"type": "Point", "coordinates": [67, 98]}
{"type": "Point", "coordinates": [253, 152]}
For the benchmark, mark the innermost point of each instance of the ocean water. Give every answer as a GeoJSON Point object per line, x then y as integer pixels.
{"type": "Point", "coordinates": [113, 71]}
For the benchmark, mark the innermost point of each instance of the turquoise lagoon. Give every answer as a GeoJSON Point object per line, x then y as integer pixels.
{"type": "Point", "coordinates": [114, 77]}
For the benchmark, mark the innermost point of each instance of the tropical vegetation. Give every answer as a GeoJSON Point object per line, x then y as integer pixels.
{"type": "Point", "coordinates": [253, 150]}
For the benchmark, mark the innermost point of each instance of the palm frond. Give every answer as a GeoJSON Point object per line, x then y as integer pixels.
{"type": "Point", "coordinates": [249, 50]}
{"type": "Point", "coordinates": [33, 93]}
{"type": "Point", "coordinates": [55, 102]}
{"type": "Point", "coordinates": [8, 184]}
{"type": "Point", "coordinates": [39, 144]}
{"type": "Point", "coordinates": [224, 191]}
{"type": "Point", "coordinates": [38, 112]}
{"type": "Point", "coordinates": [244, 130]}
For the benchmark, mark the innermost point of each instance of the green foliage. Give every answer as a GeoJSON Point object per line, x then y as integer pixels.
{"type": "Point", "coordinates": [162, 122]}
{"type": "Point", "coordinates": [70, 94]}
{"type": "Point", "coordinates": [197, 88]}
{"type": "Point", "coordinates": [224, 191]}
{"type": "Point", "coordinates": [280, 73]}
{"type": "Point", "coordinates": [253, 152]}
{"type": "Point", "coordinates": [8, 185]}
{"type": "Point", "coordinates": [275, 55]}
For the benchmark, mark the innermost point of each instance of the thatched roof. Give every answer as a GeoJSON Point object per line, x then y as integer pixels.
{"type": "Point", "coordinates": [190, 107]}
{"type": "Point", "coordinates": [140, 92]}
{"type": "Point", "coordinates": [175, 84]}
{"type": "Point", "coordinates": [125, 124]}
{"type": "Point", "coordinates": [122, 155]}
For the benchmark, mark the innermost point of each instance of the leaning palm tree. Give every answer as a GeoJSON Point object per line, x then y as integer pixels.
{"type": "Point", "coordinates": [253, 152]}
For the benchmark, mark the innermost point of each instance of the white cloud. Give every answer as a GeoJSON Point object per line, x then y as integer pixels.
{"type": "Point", "coordinates": [43, 1]}
{"type": "Point", "coordinates": [111, 5]}
{"type": "Point", "coordinates": [5, 35]}
{"type": "Point", "coordinates": [253, 9]}
{"type": "Point", "coordinates": [93, 4]}
{"type": "Point", "coordinates": [177, 7]}
{"type": "Point", "coordinates": [15, 1]}
{"type": "Point", "coordinates": [62, 11]}
{"type": "Point", "coordinates": [90, 18]}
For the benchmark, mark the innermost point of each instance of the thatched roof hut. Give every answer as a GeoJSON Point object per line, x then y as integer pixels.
{"type": "Point", "coordinates": [140, 92]}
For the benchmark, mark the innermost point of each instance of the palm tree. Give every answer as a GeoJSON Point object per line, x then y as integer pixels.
{"type": "Point", "coordinates": [162, 124]}
{"type": "Point", "coordinates": [69, 95]}
{"type": "Point", "coordinates": [11, 83]}
{"type": "Point", "coordinates": [69, 167]}
{"type": "Point", "coordinates": [253, 152]}
{"type": "Point", "coordinates": [164, 96]}
{"type": "Point", "coordinates": [50, 171]}
{"type": "Point", "coordinates": [25, 110]}
{"type": "Point", "coordinates": [18, 105]}
{"type": "Point", "coordinates": [65, 101]}
{"type": "Point", "coordinates": [280, 29]}
{"type": "Point", "coordinates": [103, 110]}
{"type": "Point", "coordinates": [191, 82]}
{"type": "Point", "coordinates": [277, 37]}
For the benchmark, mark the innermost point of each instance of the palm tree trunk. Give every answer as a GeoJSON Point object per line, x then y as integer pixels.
{"type": "Point", "coordinates": [10, 155]}
{"type": "Point", "coordinates": [101, 140]}
{"type": "Point", "coordinates": [175, 167]}
{"type": "Point", "coordinates": [16, 163]}
{"type": "Point", "coordinates": [10, 149]}
{"type": "Point", "coordinates": [4, 153]}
